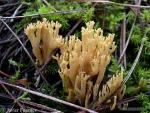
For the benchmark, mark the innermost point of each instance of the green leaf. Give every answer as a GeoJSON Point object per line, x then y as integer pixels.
{"type": "Point", "coordinates": [12, 62]}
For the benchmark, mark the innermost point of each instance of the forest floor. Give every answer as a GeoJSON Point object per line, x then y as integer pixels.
{"type": "Point", "coordinates": [28, 87]}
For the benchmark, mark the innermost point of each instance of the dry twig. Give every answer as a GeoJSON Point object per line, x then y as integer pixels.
{"type": "Point", "coordinates": [119, 4]}
{"type": "Point", "coordinates": [127, 42]}
{"type": "Point", "coordinates": [135, 62]}
{"type": "Point", "coordinates": [15, 100]}
{"type": "Point", "coordinates": [26, 51]}
{"type": "Point", "coordinates": [4, 74]}
{"type": "Point", "coordinates": [47, 97]}
{"type": "Point", "coordinates": [45, 14]}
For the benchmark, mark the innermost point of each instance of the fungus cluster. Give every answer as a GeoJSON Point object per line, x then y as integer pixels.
{"type": "Point", "coordinates": [82, 62]}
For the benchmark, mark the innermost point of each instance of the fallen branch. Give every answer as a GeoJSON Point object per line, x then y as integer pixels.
{"type": "Point", "coordinates": [48, 97]}
{"type": "Point", "coordinates": [135, 62]}
{"type": "Point", "coordinates": [45, 14]}
{"type": "Point", "coordinates": [29, 104]}
{"type": "Point", "coordinates": [15, 100]}
{"type": "Point", "coordinates": [119, 4]}
{"type": "Point", "coordinates": [4, 74]}
{"type": "Point", "coordinates": [127, 42]}
{"type": "Point", "coordinates": [39, 106]}
{"type": "Point", "coordinates": [7, 5]}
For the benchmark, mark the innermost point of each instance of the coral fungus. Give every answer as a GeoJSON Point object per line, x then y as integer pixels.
{"type": "Point", "coordinates": [83, 64]}
{"type": "Point", "coordinates": [44, 38]}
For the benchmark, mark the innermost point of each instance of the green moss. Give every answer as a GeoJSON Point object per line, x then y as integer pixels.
{"type": "Point", "coordinates": [145, 101]}
{"type": "Point", "coordinates": [113, 66]}
{"type": "Point", "coordinates": [145, 15]}
{"type": "Point", "coordinates": [37, 7]}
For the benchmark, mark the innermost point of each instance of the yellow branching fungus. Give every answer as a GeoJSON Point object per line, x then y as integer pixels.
{"type": "Point", "coordinates": [44, 38]}
{"type": "Point", "coordinates": [82, 62]}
